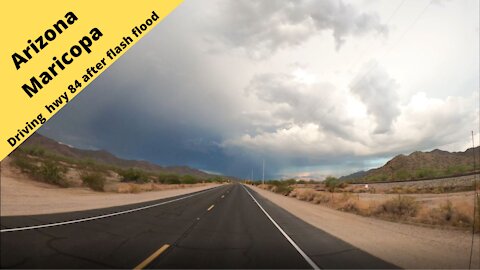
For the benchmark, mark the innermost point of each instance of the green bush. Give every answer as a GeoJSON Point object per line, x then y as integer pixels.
{"type": "Point", "coordinates": [95, 180]}
{"type": "Point", "coordinates": [403, 175]}
{"type": "Point", "coordinates": [290, 182]}
{"type": "Point", "coordinates": [33, 150]}
{"type": "Point", "coordinates": [425, 173]}
{"type": "Point", "coordinates": [25, 164]}
{"type": "Point", "coordinates": [90, 164]}
{"type": "Point", "coordinates": [188, 179]}
{"type": "Point", "coordinates": [169, 179]}
{"type": "Point", "coordinates": [216, 179]}
{"type": "Point", "coordinates": [333, 183]}
{"type": "Point", "coordinates": [458, 169]}
{"type": "Point", "coordinates": [134, 175]}
{"type": "Point", "coordinates": [283, 189]}
{"type": "Point", "coordinates": [53, 174]}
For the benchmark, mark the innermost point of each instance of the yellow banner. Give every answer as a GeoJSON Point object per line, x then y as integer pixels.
{"type": "Point", "coordinates": [51, 50]}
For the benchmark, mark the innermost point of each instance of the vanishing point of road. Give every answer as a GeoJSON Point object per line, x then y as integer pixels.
{"type": "Point", "coordinates": [229, 226]}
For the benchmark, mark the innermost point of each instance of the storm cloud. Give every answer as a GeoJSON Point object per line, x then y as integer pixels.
{"type": "Point", "coordinates": [175, 99]}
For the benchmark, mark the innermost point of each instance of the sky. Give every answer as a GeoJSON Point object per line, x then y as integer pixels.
{"type": "Point", "coordinates": [312, 87]}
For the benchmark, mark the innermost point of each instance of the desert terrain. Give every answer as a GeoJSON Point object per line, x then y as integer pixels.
{"type": "Point", "coordinates": [21, 195]}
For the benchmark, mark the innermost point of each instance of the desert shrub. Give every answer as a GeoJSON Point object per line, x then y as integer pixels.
{"type": "Point", "coordinates": [33, 150]}
{"type": "Point", "coordinates": [169, 179]}
{"type": "Point", "coordinates": [134, 188]}
{"type": "Point", "coordinates": [134, 175]}
{"type": "Point", "coordinates": [305, 195]}
{"type": "Point", "coordinates": [332, 183]}
{"type": "Point", "coordinates": [283, 189]}
{"type": "Point", "coordinates": [454, 216]}
{"type": "Point", "coordinates": [95, 180]}
{"type": "Point", "coordinates": [403, 175]}
{"type": "Point", "coordinates": [53, 174]}
{"type": "Point", "coordinates": [425, 173]}
{"type": "Point", "coordinates": [349, 206]}
{"type": "Point", "coordinates": [458, 169]}
{"type": "Point", "coordinates": [346, 196]}
{"type": "Point", "coordinates": [91, 164]}
{"type": "Point", "coordinates": [48, 171]}
{"type": "Point", "coordinates": [321, 198]}
{"type": "Point", "coordinates": [447, 214]}
{"type": "Point", "coordinates": [188, 179]}
{"type": "Point", "coordinates": [289, 182]}
{"type": "Point", "coordinates": [216, 179]}
{"type": "Point", "coordinates": [25, 164]}
{"type": "Point", "coordinates": [401, 206]}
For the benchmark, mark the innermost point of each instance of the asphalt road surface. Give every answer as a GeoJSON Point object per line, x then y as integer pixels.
{"type": "Point", "coordinates": [224, 227]}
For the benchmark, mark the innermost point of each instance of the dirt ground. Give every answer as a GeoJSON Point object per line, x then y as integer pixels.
{"type": "Point", "coordinates": [21, 196]}
{"type": "Point", "coordinates": [407, 246]}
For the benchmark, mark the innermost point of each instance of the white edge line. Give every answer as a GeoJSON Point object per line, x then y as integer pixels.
{"type": "Point", "coordinates": [305, 256]}
{"type": "Point", "coordinates": [101, 216]}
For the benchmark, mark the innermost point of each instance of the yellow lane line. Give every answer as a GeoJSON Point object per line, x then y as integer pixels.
{"type": "Point", "coordinates": [210, 208]}
{"type": "Point", "coordinates": [152, 257]}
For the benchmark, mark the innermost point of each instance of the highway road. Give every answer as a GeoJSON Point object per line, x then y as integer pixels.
{"type": "Point", "coordinates": [229, 226]}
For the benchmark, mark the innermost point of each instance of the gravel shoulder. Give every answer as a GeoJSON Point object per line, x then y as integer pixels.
{"type": "Point", "coordinates": [407, 246]}
{"type": "Point", "coordinates": [20, 196]}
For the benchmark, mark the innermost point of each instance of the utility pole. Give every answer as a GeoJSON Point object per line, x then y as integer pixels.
{"type": "Point", "coordinates": [263, 172]}
{"type": "Point", "coordinates": [252, 175]}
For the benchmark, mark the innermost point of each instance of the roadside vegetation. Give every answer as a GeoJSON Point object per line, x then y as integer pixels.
{"type": "Point", "coordinates": [44, 166]}
{"type": "Point", "coordinates": [399, 206]}
{"type": "Point", "coordinates": [42, 170]}
{"type": "Point", "coordinates": [94, 180]}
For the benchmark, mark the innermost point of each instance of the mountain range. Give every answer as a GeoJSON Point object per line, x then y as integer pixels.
{"type": "Point", "coordinates": [420, 165]}
{"type": "Point", "coordinates": [105, 157]}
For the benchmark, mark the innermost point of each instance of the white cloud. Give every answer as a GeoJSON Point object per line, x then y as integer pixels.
{"type": "Point", "coordinates": [262, 27]}
{"type": "Point", "coordinates": [377, 90]}
{"type": "Point", "coordinates": [317, 126]}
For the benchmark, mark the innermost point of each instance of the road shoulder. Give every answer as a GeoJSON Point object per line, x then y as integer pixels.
{"type": "Point", "coordinates": [404, 245]}
{"type": "Point", "coordinates": [20, 197]}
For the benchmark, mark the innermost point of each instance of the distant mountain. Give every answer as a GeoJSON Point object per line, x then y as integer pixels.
{"type": "Point", "coordinates": [420, 165]}
{"type": "Point", "coordinates": [102, 156]}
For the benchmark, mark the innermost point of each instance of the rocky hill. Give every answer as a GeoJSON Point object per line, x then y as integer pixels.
{"type": "Point", "coordinates": [101, 156]}
{"type": "Point", "coordinates": [421, 165]}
